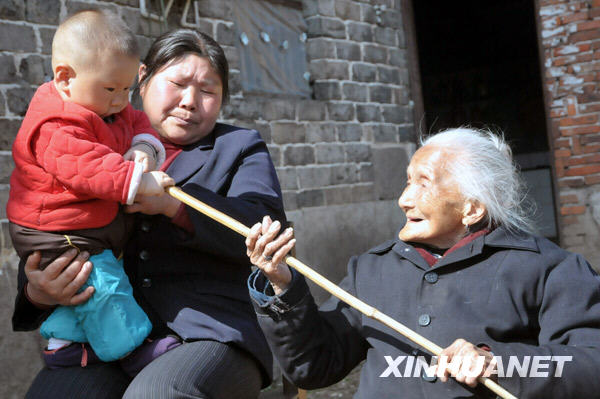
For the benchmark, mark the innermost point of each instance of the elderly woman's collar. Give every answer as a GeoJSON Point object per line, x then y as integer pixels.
{"type": "Point", "coordinates": [500, 237]}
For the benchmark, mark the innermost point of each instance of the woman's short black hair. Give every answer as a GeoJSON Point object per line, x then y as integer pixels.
{"type": "Point", "coordinates": [176, 44]}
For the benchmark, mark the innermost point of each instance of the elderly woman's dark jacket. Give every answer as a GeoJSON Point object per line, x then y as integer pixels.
{"type": "Point", "coordinates": [195, 283]}
{"type": "Point", "coordinates": [520, 296]}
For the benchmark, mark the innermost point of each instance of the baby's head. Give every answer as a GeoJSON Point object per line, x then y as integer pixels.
{"type": "Point", "coordinates": [95, 59]}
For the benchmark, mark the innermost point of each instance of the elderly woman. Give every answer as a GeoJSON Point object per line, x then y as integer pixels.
{"type": "Point", "coordinates": [465, 272]}
{"type": "Point", "coordinates": [188, 273]}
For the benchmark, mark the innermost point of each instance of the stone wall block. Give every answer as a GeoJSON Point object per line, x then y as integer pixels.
{"type": "Point", "coordinates": [348, 51]}
{"type": "Point", "coordinates": [8, 72]}
{"type": "Point", "coordinates": [347, 10]}
{"type": "Point", "coordinates": [217, 9]}
{"type": "Point", "coordinates": [349, 132]}
{"type": "Point", "coordinates": [368, 113]}
{"type": "Point", "coordinates": [298, 155]}
{"type": "Point", "coordinates": [329, 153]}
{"type": "Point", "coordinates": [360, 32]}
{"type": "Point", "coordinates": [12, 10]}
{"type": "Point", "coordinates": [326, 8]}
{"type": "Point", "coordinates": [388, 167]}
{"type": "Point", "coordinates": [226, 34]}
{"type": "Point", "coordinates": [275, 152]}
{"type": "Point", "coordinates": [235, 82]}
{"type": "Point", "coordinates": [338, 195]}
{"type": "Point", "coordinates": [341, 111]}
{"type": "Point", "coordinates": [43, 11]}
{"type": "Point", "coordinates": [359, 152]}
{"type": "Point", "coordinates": [317, 48]}
{"type": "Point", "coordinates": [367, 13]}
{"type": "Point", "coordinates": [242, 109]}
{"type": "Point", "coordinates": [310, 8]}
{"type": "Point", "coordinates": [364, 72]}
{"type": "Point", "coordinates": [355, 92]}
{"type": "Point", "coordinates": [320, 132]}
{"type": "Point", "coordinates": [329, 69]}
{"type": "Point", "coordinates": [17, 38]}
{"type": "Point", "coordinates": [46, 34]}
{"type": "Point", "coordinates": [314, 176]}
{"type": "Point", "coordinates": [9, 129]}
{"type": "Point", "coordinates": [326, 27]}
{"type": "Point", "coordinates": [290, 200]}
{"type": "Point", "coordinates": [6, 167]}
{"type": "Point", "coordinates": [363, 193]}
{"type": "Point", "coordinates": [310, 198]}
{"type": "Point", "coordinates": [397, 57]}
{"type": "Point", "coordinates": [383, 133]}
{"type": "Point", "coordinates": [385, 36]}
{"type": "Point", "coordinates": [375, 54]}
{"type": "Point", "coordinates": [327, 91]}
{"type": "Point", "coordinates": [311, 111]}
{"type": "Point", "coordinates": [345, 173]}
{"type": "Point", "coordinates": [32, 70]}
{"type": "Point", "coordinates": [279, 109]}
{"type": "Point", "coordinates": [366, 172]}
{"type": "Point", "coordinates": [18, 99]}
{"type": "Point", "coordinates": [2, 105]}
{"type": "Point", "coordinates": [287, 178]}
{"type": "Point", "coordinates": [380, 94]}
{"type": "Point", "coordinates": [133, 18]}
{"type": "Point", "coordinates": [76, 6]}
{"type": "Point", "coordinates": [288, 132]}
{"type": "Point", "coordinates": [391, 18]}
{"type": "Point", "coordinates": [407, 134]}
{"type": "Point", "coordinates": [388, 75]}
{"type": "Point", "coordinates": [396, 114]}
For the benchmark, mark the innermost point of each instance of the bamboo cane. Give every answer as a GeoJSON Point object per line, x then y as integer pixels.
{"type": "Point", "coordinates": [328, 286]}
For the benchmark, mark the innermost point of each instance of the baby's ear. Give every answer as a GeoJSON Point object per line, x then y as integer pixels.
{"type": "Point", "coordinates": [63, 73]}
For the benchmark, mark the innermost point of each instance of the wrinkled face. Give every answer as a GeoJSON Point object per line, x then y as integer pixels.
{"type": "Point", "coordinates": [183, 99]}
{"type": "Point", "coordinates": [431, 201]}
{"type": "Point", "coordinates": [104, 87]}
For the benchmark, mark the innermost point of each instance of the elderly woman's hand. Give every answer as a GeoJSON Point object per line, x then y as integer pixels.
{"type": "Point", "coordinates": [60, 281]}
{"type": "Point", "coordinates": [268, 252]}
{"type": "Point", "coordinates": [465, 362]}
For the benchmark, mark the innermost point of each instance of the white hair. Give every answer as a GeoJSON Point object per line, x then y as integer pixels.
{"type": "Point", "coordinates": [484, 171]}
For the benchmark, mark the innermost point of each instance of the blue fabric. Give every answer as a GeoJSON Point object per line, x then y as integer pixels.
{"type": "Point", "coordinates": [111, 320]}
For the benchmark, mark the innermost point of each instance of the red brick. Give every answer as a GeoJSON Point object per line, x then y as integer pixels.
{"type": "Point", "coordinates": [571, 105]}
{"type": "Point", "coordinates": [593, 158]}
{"type": "Point", "coordinates": [560, 61]}
{"type": "Point", "coordinates": [557, 113]}
{"type": "Point", "coordinates": [581, 120]}
{"type": "Point", "coordinates": [587, 96]}
{"type": "Point", "coordinates": [570, 219]}
{"type": "Point", "coordinates": [589, 149]}
{"type": "Point", "coordinates": [559, 51]}
{"type": "Point", "coordinates": [584, 35]}
{"type": "Point", "coordinates": [594, 179]}
{"type": "Point", "coordinates": [562, 143]}
{"type": "Point", "coordinates": [585, 57]}
{"type": "Point", "coordinates": [572, 210]}
{"type": "Point", "coordinates": [576, 145]}
{"type": "Point", "coordinates": [590, 139]}
{"type": "Point", "coordinates": [596, 3]}
{"type": "Point", "coordinates": [588, 25]}
{"type": "Point", "coordinates": [562, 153]}
{"type": "Point", "coordinates": [580, 16]}
{"type": "Point", "coordinates": [590, 77]}
{"type": "Point", "coordinates": [583, 170]}
{"type": "Point", "coordinates": [572, 182]}
{"type": "Point", "coordinates": [569, 199]}
{"type": "Point", "coordinates": [589, 108]}
{"type": "Point", "coordinates": [595, 13]}
{"type": "Point", "coordinates": [580, 130]}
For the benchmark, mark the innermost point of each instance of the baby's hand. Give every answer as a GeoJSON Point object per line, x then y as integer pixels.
{"type": "Point", "coordinates": [154, 183]}
{"type": "Point", "coordinates": [144, 154]}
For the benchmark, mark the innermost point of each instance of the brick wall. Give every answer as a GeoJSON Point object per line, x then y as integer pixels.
{"type": "Point", "coordinates": [570, 32]}
{"type": "Point", "coordinates": [340, 154]}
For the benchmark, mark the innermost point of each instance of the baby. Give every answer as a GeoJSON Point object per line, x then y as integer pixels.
{"type": "Point", "coordinates": [81, 151]}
